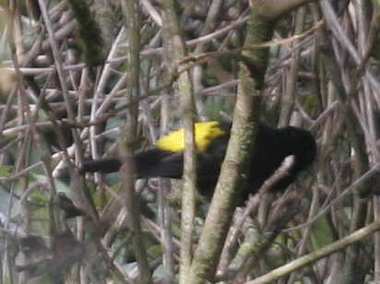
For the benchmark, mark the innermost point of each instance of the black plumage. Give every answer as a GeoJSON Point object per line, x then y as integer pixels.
{"type": "Point", "coordinates": [271, 148]}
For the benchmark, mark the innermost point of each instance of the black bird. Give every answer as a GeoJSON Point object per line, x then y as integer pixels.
{"type": "Point", "coordinates": [271, 148]}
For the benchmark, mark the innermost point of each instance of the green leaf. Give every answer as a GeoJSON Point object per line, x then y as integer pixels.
{"type": "Point", "coordinates": [5, 171]}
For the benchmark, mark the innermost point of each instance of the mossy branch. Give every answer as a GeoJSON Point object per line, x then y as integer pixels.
{"type": "Point", "coordinates": [236, 164]}
{"type": "Point", "coordinates": [89, 33]}
{"type": "Point", "coordinates": [176, 53]}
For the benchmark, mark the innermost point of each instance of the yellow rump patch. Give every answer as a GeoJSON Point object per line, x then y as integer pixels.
{"type": "Point", "coordinates": [205, 133]}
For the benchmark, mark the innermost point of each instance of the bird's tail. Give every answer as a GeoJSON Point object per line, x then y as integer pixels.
{"type": "Point", "coordinates": [105, 166]}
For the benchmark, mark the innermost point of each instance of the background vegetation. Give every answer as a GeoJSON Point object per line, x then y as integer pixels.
{"type": "Point", "coordinates": [76, 76]}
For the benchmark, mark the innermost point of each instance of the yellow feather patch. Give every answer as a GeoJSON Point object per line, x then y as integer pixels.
{"type": "Point", "coordinates": [205, 133]}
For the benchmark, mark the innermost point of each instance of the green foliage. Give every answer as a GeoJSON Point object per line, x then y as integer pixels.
{"type": "Point", "coordinates": [216, 108]}
{"type": "Point", "coordinates": [322, 234]}
{"type": "Point", "coordinates": [310, 104]}
{"type": "Point", "coordinates": [5, 171]}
